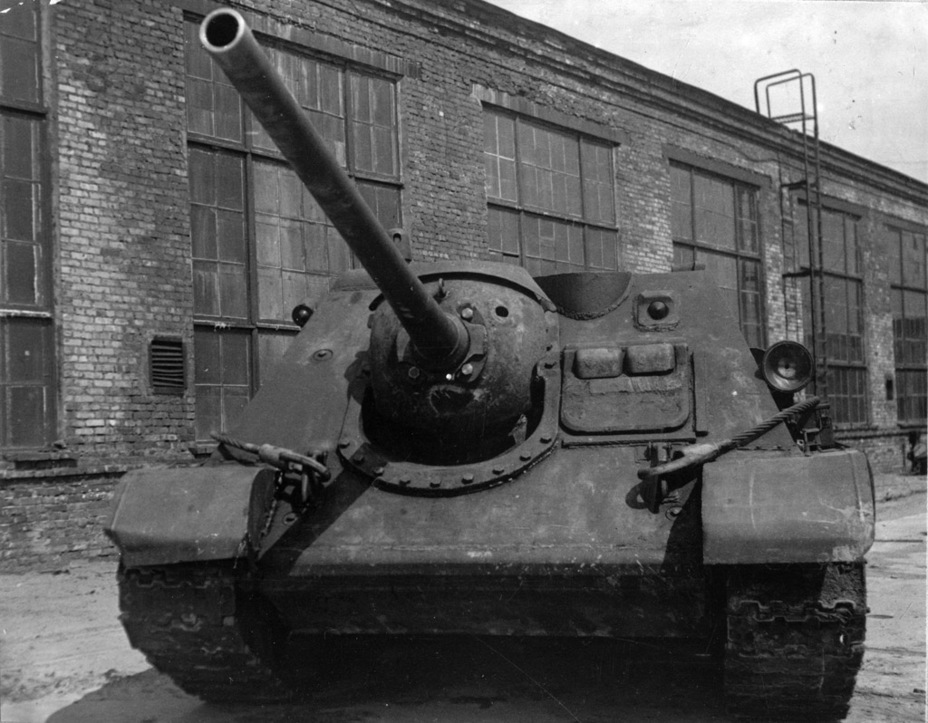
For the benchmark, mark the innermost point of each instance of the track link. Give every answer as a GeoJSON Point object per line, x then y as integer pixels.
{"type": "Point", "coordinates": [795, 641]}
{"type": "Point", "coordinates": [195, 624]}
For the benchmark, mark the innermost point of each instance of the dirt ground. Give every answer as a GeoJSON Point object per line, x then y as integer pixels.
{"type": "Point", "coordinates": [65, 659]}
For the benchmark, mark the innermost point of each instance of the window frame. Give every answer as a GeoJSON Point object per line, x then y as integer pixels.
{"type": "Point", "coordinates": [738, 253]}
{"type": "Point", "coordinates": [843, 373]}
{"type": "Point", "coordinates": [895, 234]}
{"type": "Point", "coordinates": [592, 229]}
{"type": "Point", "coordinates": [38, 313]}
{"type": "Point", "coordinates": [267, 336]}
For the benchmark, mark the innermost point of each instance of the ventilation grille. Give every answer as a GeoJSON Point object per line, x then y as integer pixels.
{"type": "Point", "coordinates": [168, 367]}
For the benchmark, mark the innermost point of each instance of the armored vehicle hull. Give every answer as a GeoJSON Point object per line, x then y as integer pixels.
{"type": "Point", "coordinates": [578, 455]}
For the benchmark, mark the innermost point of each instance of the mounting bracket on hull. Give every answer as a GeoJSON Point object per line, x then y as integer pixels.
{"type": "Point", "coordinates": [300, 479]}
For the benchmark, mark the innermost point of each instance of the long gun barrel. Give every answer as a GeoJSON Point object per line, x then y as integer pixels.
{"type": "Point", "coordinates": [437, 337]}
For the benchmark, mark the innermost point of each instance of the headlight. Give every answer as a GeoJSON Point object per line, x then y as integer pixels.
{"type": "Point", "coordinates": [787, 366]}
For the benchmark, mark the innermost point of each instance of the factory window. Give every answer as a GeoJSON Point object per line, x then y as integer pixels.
{"type": "Point", "coordinates": [28, 391]}
{"type": "Point", "coordinates": [909, 288]}
{"type": "Point", "coordinates": [714, 223]}
{"type": "Point", "coordinates": [842, 304]}
{"type": "Point", "coordinates": [261, 245]}
{"type": "Point", "coordinates": [551, 195]}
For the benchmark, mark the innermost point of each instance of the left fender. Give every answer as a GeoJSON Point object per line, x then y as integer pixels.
{"type": "Point", "coordinates": [783, 508]}
{"type": "Point", "coordinates": [174, 515]}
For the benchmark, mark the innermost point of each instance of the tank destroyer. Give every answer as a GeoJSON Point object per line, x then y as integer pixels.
{"type": "Point", "coordinates": [460, 448]}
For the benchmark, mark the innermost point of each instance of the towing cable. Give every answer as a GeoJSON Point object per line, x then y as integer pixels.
{"type": "Point", "coordinates": [696, 455]}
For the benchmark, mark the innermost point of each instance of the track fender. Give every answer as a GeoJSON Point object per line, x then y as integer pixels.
{"type": "Point", "coordinates": [167, 516]}
{"type": "Point", "coordinates": [787, 508]}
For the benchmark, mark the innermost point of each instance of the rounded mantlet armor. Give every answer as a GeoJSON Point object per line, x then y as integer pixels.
{"type": "Point", "coordinates": [487, 394]}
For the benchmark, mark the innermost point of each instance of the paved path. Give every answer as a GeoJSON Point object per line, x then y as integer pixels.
{"type": "Point", "coordinates": [64, 658]}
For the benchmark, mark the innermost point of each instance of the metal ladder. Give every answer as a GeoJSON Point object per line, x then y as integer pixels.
{"type": "Point", "coordinates": [805, 120]}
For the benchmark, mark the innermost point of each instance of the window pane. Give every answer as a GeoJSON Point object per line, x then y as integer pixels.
{"type": "Point", "coordinates": [19, 148]}
{"type": "Point", "coordinates": [836, 318]}
{"type": "Point", "coordinates": [684, 256]}
{"type": "Point", "coordinates": [373, 126]}
{"type": "Point", "coordinates": [208, 412]}
{"type": "Point", "coordinates": [747, 220]}
{"type": "Point", "coordinates": [842, 307]}
{"type": "Point", "coordinates": [568, 177]}
{"type": "Point", "coordinates": [21, 265]}
{"type": "Point", "coordinates": [681, 203]}
{"type": "Point", "coordinates": [207, 356]}
{"type": "Point", "coordinates": [801, 234]}
{"type": "Point", "coordinates": [503, 232]}
{"type": "Point", "coordinates": [893, 248]}
{"type": "Point", "coordinates": [912, 396]}
{"type": "Point", "coordinates": [602, 249]}
{"type": "Point", "coordinates": [213, 106]}
{"type": "Point", "coordinates": [222, 378]}
{"type": "Point", "coordinates": [898, 324]}
{"type": "Point", "coordinates": [230, 231]}
{"type": "Point", "coordinates": [914, 331]}
{"type": "Point", "coordinates": [852, 252]}
{"type": "Point", "coordinates": [233, 291]}
{"type": "Point", "coordinates": [552, 246]}
{"type": "Point", "coordinates": [847, 393]}
{"type": "Point", "coordinates": [22, 237]}
{"type": "Point", "coordinates": [913, 260]}
{"type": "Point", "coordinates": [598, 183]}
{"type": "Point", "coordinates": [201, 169]}
{"type": "Point", "coordinates": [568, 246]}
{"type": "Point", "coordinates": [319, 89]}
{"type": "Point", "coordinates": [297, 249]}
{"type": "Point", "coordinates": [836, 308]}
{"type": "Point", "coordinates": [910, 323]}
{"type": "Point", "coordinates": [550, 168]}
{"type": "Point", "coordinates": [715, 212]}
{"type": "Point", "coordinates": [499, 156]}
{"type": "Point", "coordinates": [203, 232]}
{"type": "Point", "coordinates": [19, 19]}
{"type": "Point", "coordinates": [833, 244]}
{"type": "Point", "coordinates": [752, 325]}
{"type": "Point", "coordinates": [384, 201]}
{"type": "Point", "coordinates": [218, 233]}
{"type": "Point", "coordinates": [724, 271]}
{"type": "Point", "coordinates": [855, 321]}
{"type": "Point", "coordinates": [27, 410]}
{"type": "Point", "coordinates": [19, 209]}
{"type": "Point", "coordinates": [19, 60]}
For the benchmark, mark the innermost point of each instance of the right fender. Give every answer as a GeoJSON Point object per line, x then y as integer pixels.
{"type": "Point", "coordinates": [787, 508]}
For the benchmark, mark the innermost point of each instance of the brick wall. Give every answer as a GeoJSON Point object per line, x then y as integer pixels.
{"type": "Point", "coordinates": [45, 523]}
{"type": "Point", "coordinates": [124, 250]}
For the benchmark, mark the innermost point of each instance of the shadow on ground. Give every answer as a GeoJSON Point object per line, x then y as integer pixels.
{"type": "Point", "coordinates": [466, 679]}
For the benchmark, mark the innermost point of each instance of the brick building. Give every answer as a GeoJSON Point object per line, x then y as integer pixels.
{"type": "Point", "coordinates": [152, 243]}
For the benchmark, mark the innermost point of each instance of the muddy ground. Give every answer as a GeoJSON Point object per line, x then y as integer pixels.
{"type": "Point", "coordinates": [64, 658]}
